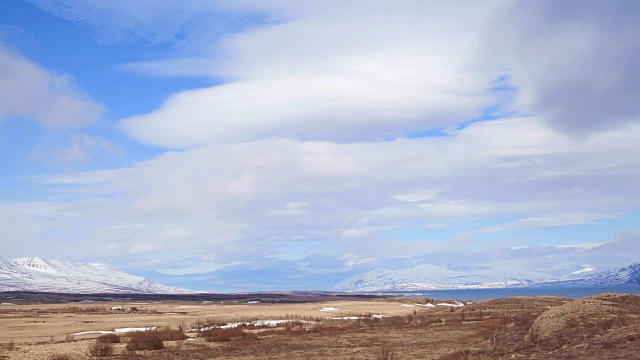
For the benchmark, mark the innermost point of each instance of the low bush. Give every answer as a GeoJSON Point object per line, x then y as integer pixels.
{"type": "Point", "coordinates": [144, 340]}
{"type": "Point", "coordinates": [108, 339]}
{"type": "Point", "coordinates": [101, 350]}
{"type": "Point", "coordinates": [169, 334]}
{"type": "Point", "coordinates": [218, 334]}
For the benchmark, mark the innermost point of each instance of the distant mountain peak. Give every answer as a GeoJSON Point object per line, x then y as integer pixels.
{"type": "Point", "coordinates": [35, 263]}
{"type": "Point", "coordinates": [52, 275]}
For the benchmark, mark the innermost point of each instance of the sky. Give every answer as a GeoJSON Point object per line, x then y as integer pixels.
{"type": "Point", "coordinates": [274, 145]}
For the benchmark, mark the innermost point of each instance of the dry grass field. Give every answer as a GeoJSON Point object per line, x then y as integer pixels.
{"type": "Point", "coordinates": [601, 327]}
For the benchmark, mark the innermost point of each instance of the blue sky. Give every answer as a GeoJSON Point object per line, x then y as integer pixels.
{"type": "Point", "coordinates": [251, 145]}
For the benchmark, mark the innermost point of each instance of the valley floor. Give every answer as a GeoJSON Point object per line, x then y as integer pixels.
{"type": "Point", "coordinates": [605, 326]}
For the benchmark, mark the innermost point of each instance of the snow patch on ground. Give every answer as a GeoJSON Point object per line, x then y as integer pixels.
{"type": "Point", "coordinates": [425, 305]}
{"type": "Point", "coordinates": [456, 304]}
{"type": "Point", "coordinates": [98, 332]}
{"type": "Point", "coordinates": [349, 318]}
{"type": "Point", "coordinates": [581, 271]}
{"type": "Point", "coordinates": [269, 323]}
{"type": "Point", "coordinates": [374, 316]}
{"type": "Point", "coordinates": [126, 330]}
{"type": "Point", "coordinates": [115, 331]}
{"type": "Point", "coordinates": [329, 309]}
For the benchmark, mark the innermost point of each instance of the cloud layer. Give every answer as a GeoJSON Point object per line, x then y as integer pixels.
{"type": "Point", "coordinates": [287, 200]}
{"type": "Point", "coordinates": [344, 135]}
{"type": "Point", "coordinates": [573, 62]}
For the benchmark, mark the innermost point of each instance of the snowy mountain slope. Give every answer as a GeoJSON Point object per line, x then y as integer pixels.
{"type": "Point", "coordinates": [629, 275]}
{"type": "Point", "coordinates": [50, 275]}
{"type": "Point", "coordinates": [431, 277]}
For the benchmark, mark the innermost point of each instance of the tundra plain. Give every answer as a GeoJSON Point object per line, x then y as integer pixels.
{"type": "Point", "coordinates": [605, 326]}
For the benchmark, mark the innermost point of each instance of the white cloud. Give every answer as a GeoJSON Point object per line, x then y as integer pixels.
{"type": "Point", "coordinates": [549, 221]}
{"type": "Point", "coordinates": [351, 72]}
{"type": "Point", "coordinates": [29, 91]}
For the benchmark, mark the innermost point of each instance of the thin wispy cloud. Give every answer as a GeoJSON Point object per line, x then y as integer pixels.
{"type": "Point", "coordinates": [30, 91]}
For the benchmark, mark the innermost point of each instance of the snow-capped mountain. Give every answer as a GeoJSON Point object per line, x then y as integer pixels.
{"type": "Point", "coordinates": [431, 277]}
{"type": "Point", "coordinates": [50, 275]}
{"type": "Point", "coordinates": [629, 275]}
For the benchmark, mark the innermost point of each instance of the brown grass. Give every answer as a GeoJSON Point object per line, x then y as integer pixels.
{"type": "Point", "coordinates": [386, 353]}
{"type": "Point", "coordinates": [59, 357]}
{"type": "Point", "coordinates": [456, 355]}
{"type": "Point", "coordinates": [493, 329]}
{"type": "Point", "coordinates": [64, 319]}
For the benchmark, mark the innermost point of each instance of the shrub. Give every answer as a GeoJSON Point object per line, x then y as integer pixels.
{"type": "Point", "coordinates": [218, 334]}
{"type": "Point", "coordinates": [344, 326]}
{"type": "Point", "coordinates": [144, 340]}
{"type": "Point", "coordinates": [108, 339]}
{"type": "Point", "coordinates": [169, 334]}
{"type": "Point", "coordinates": [101, 350]}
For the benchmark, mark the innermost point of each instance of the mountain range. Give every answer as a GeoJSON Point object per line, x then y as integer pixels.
{"type": "Point", "coordinates": [59, 276]}
{"type": "Point", "coordinates": [432, 277]}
